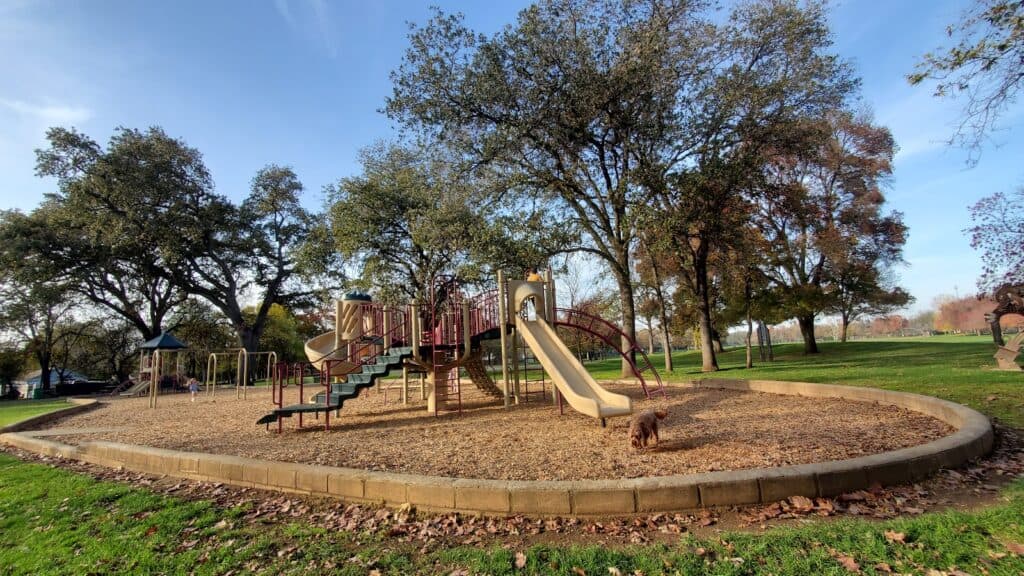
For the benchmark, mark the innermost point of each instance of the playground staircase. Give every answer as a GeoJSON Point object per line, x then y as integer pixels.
{"type": "Point", "coordinates": [323, 401]}
{"type": "Point", "coordinates": [477, 371]}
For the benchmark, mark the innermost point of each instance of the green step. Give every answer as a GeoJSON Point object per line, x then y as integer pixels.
{"type": "Point", "coordinates": [344, 390]}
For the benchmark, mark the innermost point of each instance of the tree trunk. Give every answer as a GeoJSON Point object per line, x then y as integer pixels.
{"type": "Point", "coordinates": [844, 328]}
{"type": "Point", "coordinates": [750, 334]}
{"type": "Point", "coordinates": [44, 371]}
{"type": "Point", "coordinates": [807, 331]}
{"type": "Point", "coordinates": [707, 351]}
{"type": "Point", "coordinates": [650, 335]}
{"type": "Point", "coordinates": [666, 340]}
{"type": "Point", "coordinates": [666, 344]}
{"type": "Point", "coordinates": [716, 337]}
{"type": "Point", "coordinates": [997, 333]}
{"type": "Point", "coordinates": [628, 323]}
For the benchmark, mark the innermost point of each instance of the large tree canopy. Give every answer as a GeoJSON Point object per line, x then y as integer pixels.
{"type": "Point", "coordinates": [820, 208]}
{"type": "Point", "coordinates": [764, 72]}
{"type": "Point", "coordinates": [413, 215]}
{"type": "Point", "coordinates": [138, 226]}
{"type": "Point", "coordinates": [566, 99]}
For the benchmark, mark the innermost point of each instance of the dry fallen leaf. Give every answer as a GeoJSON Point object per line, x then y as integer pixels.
{"type": "Point", "coordinates": [1015, 548]}
{"type": "Point", "coordinates": [883, 567]}
{"type": "Point", "coordinates": [801, 503]}
{"type": "Point", "coordinates": [892, 536]}
{"type": "Point", "coordinates": [613, 571]}
{"type": "Point", "coordinates": [520, 562]}
{"type": "Point", "coordinates": [846, 561]}
{"type": "Point", "coordinates": [579, 571]}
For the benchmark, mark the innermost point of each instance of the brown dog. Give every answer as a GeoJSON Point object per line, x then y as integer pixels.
{"type": "Point", "coordinates": [644, 426]}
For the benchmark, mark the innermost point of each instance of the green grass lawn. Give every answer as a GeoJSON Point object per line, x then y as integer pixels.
{"type": "Point", "coordinates": [956, 368]}
{"type": "Point", "coordinates": [56, 522]}
{"type": "Point", "coordinates": [18, 410]}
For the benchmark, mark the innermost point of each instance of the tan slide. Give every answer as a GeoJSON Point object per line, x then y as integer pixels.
{"type": "Point", "coordinates": [576, 385]}
{"type": "Point", "coordinates": [324, 347]}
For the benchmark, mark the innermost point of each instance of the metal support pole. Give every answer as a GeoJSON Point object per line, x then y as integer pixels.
{"type": "Point", "coordinates": [211, 374]}
{"type": "Point", "coordinates": [502, 324]}
{"type": "Point", "coordinates": [515, 366]}
{"type": "Point", "coordinates": [468, 341]}
{"type": "Point", "coordinates": [405, 384]}
{"type": "Point", "coordinates": [387, 328]}
{"type": "Point", "coordinates": [154, 378]}
{"type": "Point", "coordinates": [241, 373]}
{"type": "Point", "coordinates": [414, 311]}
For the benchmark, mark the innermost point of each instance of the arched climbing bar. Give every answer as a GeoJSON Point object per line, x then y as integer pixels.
{"type": "Point", "coordinates": [613, 337]}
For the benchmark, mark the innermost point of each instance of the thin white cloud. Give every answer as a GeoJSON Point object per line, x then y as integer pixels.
{"type": "Point", "coordinates": [49, 114]}
{"type": "Point", "coordinates": [285, 11]}
{"type": "Point", "coordinates": [323, 23]}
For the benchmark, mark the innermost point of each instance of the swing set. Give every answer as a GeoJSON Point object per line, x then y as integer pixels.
{"type": "Point", "coordinates": [241, 360]}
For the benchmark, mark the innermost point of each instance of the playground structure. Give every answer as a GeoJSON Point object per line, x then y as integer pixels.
{"type": "Point", "coordinates": [1009, 300]}
{"type": "Point", "coordinates": [241, 368]}
{"type": "Point", "coordinates": [154, 354]}
{"type": "Point", "coordinates": [441, 338]}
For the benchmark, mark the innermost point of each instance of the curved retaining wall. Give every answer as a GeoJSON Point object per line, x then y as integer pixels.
{"type": "Point", "coordinates": [972, 439]}
{"type": "Point", "coordinates": [77, 405]}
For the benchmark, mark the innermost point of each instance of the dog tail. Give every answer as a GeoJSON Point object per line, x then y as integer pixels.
{"type": "Point", "coordinates": [661, 414]}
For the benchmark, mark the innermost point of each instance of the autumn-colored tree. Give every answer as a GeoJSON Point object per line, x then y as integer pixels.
{"type": "Point", "coordinates": [888, 325]}
{"type": "Point", "coordinates": [776, 71]}
{"type": "Point", "coordinates": [966, 314]}
{"type": "Point", "coordinates": [820, 210]}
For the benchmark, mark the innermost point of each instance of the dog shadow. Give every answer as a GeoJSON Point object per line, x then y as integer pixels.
{"type": "Point", "coordinates": [673, 445]}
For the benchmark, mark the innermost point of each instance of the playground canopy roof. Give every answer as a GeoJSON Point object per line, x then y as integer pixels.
{"type": "Point", "coordinates": [165, 341]}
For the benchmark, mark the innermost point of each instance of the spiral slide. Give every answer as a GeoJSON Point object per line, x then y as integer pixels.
{"type": "Point", "coordinates": [321, 348]}
{"type": "Point", "coordinates": [575, 384]}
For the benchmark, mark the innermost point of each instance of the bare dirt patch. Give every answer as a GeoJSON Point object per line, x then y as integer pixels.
{"type": "Point", "coordinates": [706, 430]}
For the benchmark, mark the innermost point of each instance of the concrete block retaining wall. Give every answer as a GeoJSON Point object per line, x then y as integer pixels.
{"type": "Point", "coordinates": [972, 439]}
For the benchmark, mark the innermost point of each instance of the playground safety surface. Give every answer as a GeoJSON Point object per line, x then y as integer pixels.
{"type": "Point", "coordinates": [706, 430]}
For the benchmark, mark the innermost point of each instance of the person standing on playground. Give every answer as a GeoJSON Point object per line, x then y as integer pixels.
{"type": "Point", "coordinates": [193, 387]}
{"type": "Point", "coordinates": [533, 276]}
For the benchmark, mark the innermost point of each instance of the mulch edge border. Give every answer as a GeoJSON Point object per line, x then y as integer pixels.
{"type": "Point", "coordinates": [973, 439]}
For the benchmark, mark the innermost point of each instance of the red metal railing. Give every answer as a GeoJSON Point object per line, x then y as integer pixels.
{"type": "Point", "coordinates": [483, 313]}
{"type": "Point", "coordinates": [611, 335]}
{"type": "Point", "coordinates": [285, 374]}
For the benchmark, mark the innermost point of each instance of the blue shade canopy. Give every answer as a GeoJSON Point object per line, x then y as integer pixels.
{"type": "Point", "coordinates": [165, 341]}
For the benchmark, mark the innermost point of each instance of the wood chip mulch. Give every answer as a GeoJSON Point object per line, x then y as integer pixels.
{"type": "Point", "coordinates": [706, 430]}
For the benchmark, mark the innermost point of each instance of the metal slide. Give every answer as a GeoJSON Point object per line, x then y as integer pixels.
{"type": "Point", "coordinates": [575, 384]}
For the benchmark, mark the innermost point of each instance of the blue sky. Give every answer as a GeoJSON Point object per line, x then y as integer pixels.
{"type": "Point", "coordinates": [299, 82]}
